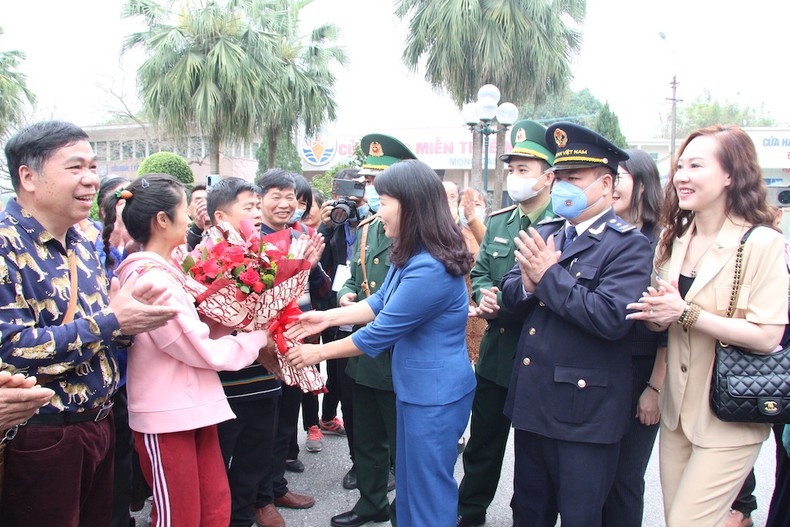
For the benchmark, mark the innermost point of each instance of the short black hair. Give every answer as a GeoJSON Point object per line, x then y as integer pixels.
{"type": "Point", "coordinates": [225, 193]}
{"type": "Point", "coordinates": [275, 178]}
{"type": "Point", "coordinates": [194, 189]}
{"type": "Point", "coordinates": [34, 145]}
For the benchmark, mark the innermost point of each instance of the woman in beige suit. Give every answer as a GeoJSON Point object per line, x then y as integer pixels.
{"type": "Point", "coordinates": [715, 196]}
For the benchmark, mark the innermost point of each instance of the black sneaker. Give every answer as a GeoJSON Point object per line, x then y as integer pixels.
{"type": "Point", "coordinates": [294, 465]}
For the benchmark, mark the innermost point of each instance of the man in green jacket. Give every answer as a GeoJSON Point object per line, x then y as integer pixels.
{"type": "Point", "coordinates": [373, 398]}
{"type": "Point", "coordinates": [529, 185]}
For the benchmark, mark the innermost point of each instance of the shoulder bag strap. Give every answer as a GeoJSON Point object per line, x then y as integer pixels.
{"type": "Point", "coordinates": [363, 241]}
{"type": "Point", "coordinates": [736, 278]}
{"type": "Point", "coordinates": [69, 316]}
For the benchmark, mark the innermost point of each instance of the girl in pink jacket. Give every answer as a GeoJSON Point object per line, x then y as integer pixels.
{"type": "Point", "coordinates": [175, 396]}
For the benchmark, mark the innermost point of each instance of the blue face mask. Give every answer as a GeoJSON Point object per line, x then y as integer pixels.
{"type": "Point", "coordinates": [372, 197]}
{"type": "Point", "coordinates": [362, 211]}
{"type": "Point", "coordinates": [570, 201]}
{"type": "Point", "coordinates": [298, 213]}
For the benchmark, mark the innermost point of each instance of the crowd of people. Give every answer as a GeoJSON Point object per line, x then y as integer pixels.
{"type": "Point", "coordinates": [583, 317]}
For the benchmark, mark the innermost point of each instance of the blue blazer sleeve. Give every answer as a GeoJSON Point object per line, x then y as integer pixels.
{"type": "Point", "coordinates": [414, 293]}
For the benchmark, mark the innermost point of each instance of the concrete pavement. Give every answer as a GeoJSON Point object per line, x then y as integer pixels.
{"type": "Point", "coordinates": [324, 472]}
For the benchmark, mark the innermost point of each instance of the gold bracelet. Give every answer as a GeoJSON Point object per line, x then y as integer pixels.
{"type": "Point", "coordinates": [690, 316]}
{"type": "Point", "coordinates": [685, 313]}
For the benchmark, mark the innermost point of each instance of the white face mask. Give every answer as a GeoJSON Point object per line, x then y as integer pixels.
{"type": "Point", "coordinates": [480, 212]}
{"type": "Point", "coordinates": [520, 189]}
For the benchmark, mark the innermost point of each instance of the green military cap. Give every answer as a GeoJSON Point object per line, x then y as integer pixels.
{"type": "Point", "coordinates": [529, 140]}
{"type": "Point", "coordinates": [382, 151]}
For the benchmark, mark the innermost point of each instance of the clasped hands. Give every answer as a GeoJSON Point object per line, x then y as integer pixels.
{"type": "Point", "coordinates": [534, 256]}
{"type": "Point", "coordinates": [488, 308]}
{"type": "Point", "coordinates": [660, 306]}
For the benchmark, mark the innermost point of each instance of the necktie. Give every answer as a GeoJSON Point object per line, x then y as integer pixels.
{"type": "Point", "coordinates": [524, 223]}
{"type": "Point", "coordinates": [570, 235]}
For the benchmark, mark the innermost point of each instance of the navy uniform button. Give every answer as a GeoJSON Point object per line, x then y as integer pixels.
{"type": "Point", "coordinates": [372, 284]}
{"type": "Point", "coordinates": [501, 330]}
{"type": "Point", "coordinates": [526, 361]}
{"type": "Point", "coordinates": [375, 261]}
{"type": "Point", "coordinates": [541, 304]}
{"type": "Point", "coordinates": [581, 383]}
{"type": "Point", "coordinates": [532, 331]}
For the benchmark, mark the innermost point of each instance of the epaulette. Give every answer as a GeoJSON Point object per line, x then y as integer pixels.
{"type": "Point", "coordinates": [549, 221]}
{"type": "Point", "coordinates": [369, 219]}
{"type": "Point", "coordinates": [620, 225]}
{"type": "Point", "coordinates": [500, 211]}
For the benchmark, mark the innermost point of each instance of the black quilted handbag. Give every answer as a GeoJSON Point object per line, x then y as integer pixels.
{"type": "Point", "coordinates": [747, 387]}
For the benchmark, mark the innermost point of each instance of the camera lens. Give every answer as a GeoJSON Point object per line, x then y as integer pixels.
{"type": "Point", "coordinates": [784, 197]}
{"type": "Point", "coordinates": [339, 213]}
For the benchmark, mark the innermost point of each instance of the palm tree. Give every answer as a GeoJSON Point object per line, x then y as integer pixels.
{"type": "Point", "coordinates": [522, 46]}
{"type": "Point", "coordinates": [206, 72]}
{"type": "Point", "coordinates": [13, 90]}
{"type": "Point", "coordinates": [304, 82]}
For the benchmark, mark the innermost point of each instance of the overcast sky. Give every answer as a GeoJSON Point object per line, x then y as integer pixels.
{"type": "Point", "coordinates": [736, 50]}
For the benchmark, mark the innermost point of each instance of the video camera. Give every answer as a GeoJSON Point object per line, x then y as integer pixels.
{"type": "Point", "coordinates": [344, 209]}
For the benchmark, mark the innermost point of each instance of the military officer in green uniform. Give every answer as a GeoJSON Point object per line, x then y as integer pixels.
{"type": "Point", "coordinates": [529, 185]}
{"type": "Point", "coordinates": [373, 397]}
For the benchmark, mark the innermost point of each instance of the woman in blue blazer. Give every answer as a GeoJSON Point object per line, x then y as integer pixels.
{"type": "Point", "coordinates": [420, 312]}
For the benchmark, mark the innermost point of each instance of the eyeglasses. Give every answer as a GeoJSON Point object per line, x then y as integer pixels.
{"type": "Point", "coordinates": [618, 176]}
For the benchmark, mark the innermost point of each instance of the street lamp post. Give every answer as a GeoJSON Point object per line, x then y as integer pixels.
{"type": "Point", "coordinates": [480, 116]}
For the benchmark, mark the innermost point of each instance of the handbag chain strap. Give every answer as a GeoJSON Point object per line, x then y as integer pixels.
{"type": "Point", "coordinates": [736, 277]}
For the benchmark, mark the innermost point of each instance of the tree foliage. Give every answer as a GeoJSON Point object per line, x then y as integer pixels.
{"type": "Point", "coordinates": [524, 47]}
{"type": "Point", "coordinates": [704, 111]}
{"type": "Point", "coordinates": [303, 82]}
{"type": "Point", "coordinates": [287, 156]}
{"type": "Point", "coordinates": [167, 163]}
{"type": "Point", "coordinates": [231, 70]}
{"type": "Point", "coordinates": [580, 107]}
{"type": "Point", "coordinates": [208, 72]}
{"type": "Point", "coordinates": [608, 125]}
{"type": "Point", "coordinates": [13, 90]}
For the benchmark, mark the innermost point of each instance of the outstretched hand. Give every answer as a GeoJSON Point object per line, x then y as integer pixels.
{"type": "Point", "coordinates": [304, 355]}
{"type": "Point", "coordinates": [140, 308]}
{"type": "Point", "coordinates": [308, 324]}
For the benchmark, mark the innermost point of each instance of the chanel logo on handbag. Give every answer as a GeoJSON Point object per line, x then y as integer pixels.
{"type": "Point", "coordinates": [770, 407]}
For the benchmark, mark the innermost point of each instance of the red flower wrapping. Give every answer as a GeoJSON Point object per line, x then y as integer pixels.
{"type": "Point", "coordinates": [222, 297]}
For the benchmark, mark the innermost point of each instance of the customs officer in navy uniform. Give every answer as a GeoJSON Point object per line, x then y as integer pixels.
{"type": "Point", "coordinates": [570, 391]}
{"type": "Point", "coordinates": [528, 184]}
{"type": "Point", "coordinates": [372, 392]}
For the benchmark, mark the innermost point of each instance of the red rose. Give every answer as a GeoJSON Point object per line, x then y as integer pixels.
{"type": "Point", "coordinates": [233, 255]}
{"type": "Point", "coordinates": [210, 268]}
{"type": "Point", "coordinates": [249, 277]}
{"type": "Point", "coordinates": [258, 287]}
{"type": "Point", "coordinates": [219, 249]}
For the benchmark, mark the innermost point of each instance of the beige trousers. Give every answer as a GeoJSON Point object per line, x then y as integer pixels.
{"type": "Point", "coordinates": [699, 484]}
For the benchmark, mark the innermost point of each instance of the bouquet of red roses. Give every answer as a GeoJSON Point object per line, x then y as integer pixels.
{"type": "Point", "coordinates": [246, 281]}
